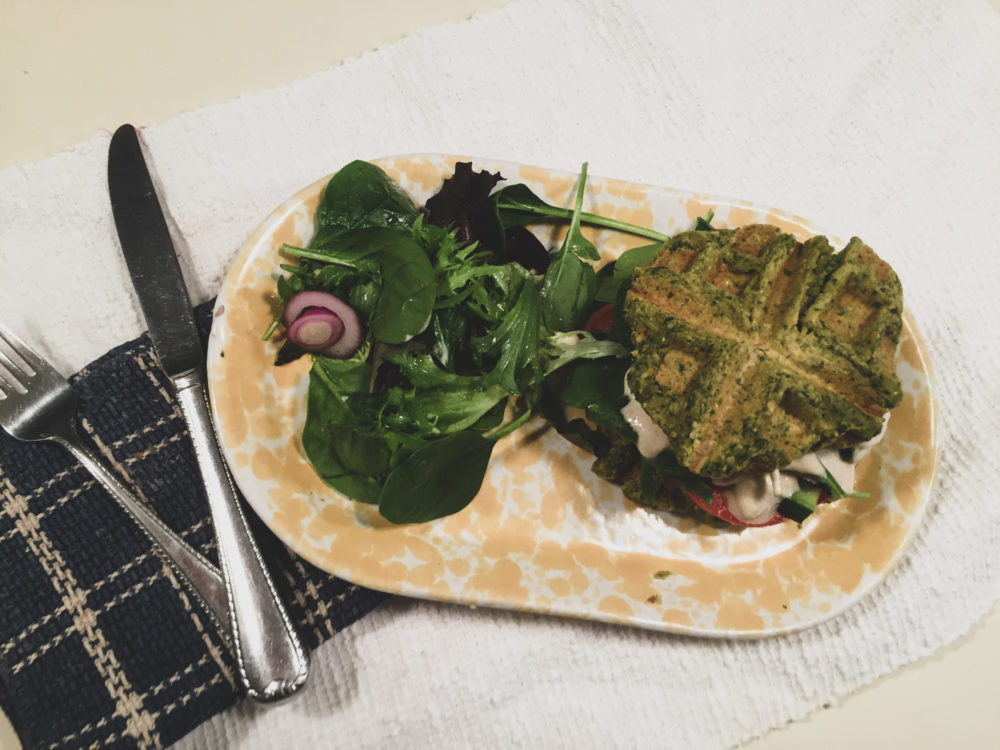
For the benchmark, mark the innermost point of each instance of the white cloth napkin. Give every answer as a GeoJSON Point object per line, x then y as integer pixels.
{"type": "Point", "coordinates": [877, 119]}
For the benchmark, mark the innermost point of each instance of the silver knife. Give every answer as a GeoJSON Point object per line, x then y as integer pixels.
{"type": "Point", "coordinates": [271, 658]}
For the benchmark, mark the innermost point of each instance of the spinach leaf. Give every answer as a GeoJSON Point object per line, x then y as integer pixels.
{"type": "Point", "coordinates": [517, 205]}
{"type": "Point", "coordinates": [363, 297]}
{"type": "Point", "coordinates": [343, 379]}
{"type": "Point", "coordinates": [439, 479]}
{"type": "Point", "coordinates": [337, 436]}
{"type": "Point", "coordinates": [619, 274]}
{"type": "Point", "coordinates": [408, 291]}
{"type": "Point", "coordinates": [361, 196]}
{"type": "Point", "coordinates": [406, 281]}
{"type": "Point", "coordinates": [598, 387]}
{"type": "Point", "coordinates": [648, 481]}
{"type": "Point", "coordinates": [570, 282]}
{"type": "Point", "coordinates": [666, 465]}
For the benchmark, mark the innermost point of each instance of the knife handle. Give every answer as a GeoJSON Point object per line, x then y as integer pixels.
{"type": "Point", "coordinates": [271, 658]}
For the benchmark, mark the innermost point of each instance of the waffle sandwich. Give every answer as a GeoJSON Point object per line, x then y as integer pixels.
{"type": "Point", "coordinates": [752, 349]}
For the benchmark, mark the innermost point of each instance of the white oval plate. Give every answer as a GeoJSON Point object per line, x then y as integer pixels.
{"type": "Point", "coordinates": [544, 533]}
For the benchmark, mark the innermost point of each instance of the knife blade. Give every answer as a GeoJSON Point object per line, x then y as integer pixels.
{"type": "Point", "coordinates": [272, 660]}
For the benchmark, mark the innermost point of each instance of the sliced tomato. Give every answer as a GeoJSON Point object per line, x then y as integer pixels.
{"type": "Point", "coordinates": [601, 320]}
{"type": "Point", "coordinates": [718, 508]}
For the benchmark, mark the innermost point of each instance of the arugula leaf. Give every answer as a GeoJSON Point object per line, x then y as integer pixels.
{"type": "Point", "coordinates": [361, 196]}
{"type": "Point", "coordinates": [438, 402]}
{"type": "Point", "coordinates": [457, 265]}
{"type": "Point", "coordinates": [514, 341]}
{"type": "Point", "coordinates": [559, 349]}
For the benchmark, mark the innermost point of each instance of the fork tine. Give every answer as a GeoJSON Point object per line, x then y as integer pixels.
{"type": "Point", "coordinates": [8, 381]}
{"type": "Point", "coordinates": [19, 355]}
{"type": "Point", "coordinates": [5, 385]}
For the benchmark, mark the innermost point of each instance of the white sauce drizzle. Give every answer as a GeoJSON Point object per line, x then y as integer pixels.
{"type": "Point", "coordinates": [651, 439]}
{"type": "Point", "coordinates": [754, 498]}
{"type": "Point", "coordinates": [863, 449]}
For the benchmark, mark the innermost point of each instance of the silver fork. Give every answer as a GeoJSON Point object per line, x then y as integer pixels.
{"type": "Point", "coordinates": [37, 403]}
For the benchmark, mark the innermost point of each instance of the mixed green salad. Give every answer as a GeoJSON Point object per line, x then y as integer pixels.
{"type": "Point", "coordinates": [436, 330]}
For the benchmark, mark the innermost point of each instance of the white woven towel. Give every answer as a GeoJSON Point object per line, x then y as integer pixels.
{"type": "Point", "coordinates": [870, 118]}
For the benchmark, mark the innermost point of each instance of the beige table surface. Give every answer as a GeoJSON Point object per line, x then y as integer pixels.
{"type": "Point", "coordinates": [51, 53]}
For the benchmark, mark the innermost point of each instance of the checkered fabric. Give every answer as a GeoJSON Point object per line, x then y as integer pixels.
{"type": "Point", "coordinates": [99, 644]}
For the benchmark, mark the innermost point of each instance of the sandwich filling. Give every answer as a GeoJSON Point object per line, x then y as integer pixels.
{"type": "Point", "coordinates": [754, 498]}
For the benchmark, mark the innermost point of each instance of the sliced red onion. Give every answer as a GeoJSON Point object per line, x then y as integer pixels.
{"type": "Point", "coordinates": [350, 342]}
{"type": "Point", "coordinates": [297, 303]}
{"type": "Point", "coordinates": [340, 346]}
{"type": "Point", "coordinates": [316, 329]}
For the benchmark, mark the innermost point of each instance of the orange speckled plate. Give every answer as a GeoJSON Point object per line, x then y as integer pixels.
{"type": "Point", "coordinates": [544, 534]}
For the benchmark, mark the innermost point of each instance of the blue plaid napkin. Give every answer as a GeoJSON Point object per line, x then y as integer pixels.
{"type": "Point", "coordinates": [99, 645]}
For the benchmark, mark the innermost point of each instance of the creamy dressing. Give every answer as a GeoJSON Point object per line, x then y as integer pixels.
{"type": "Point", "coordinates": [754, 498]}
{"type": "Point", "coordinates": [863, 449]}
{"type": "Point", "coordinates": [651, 439]}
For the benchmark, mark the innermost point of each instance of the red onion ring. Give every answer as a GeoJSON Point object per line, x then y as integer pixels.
{"type": "Point", "coordinates": [316, 329]}
{"type": "Point", "coordinates": [347, 339]}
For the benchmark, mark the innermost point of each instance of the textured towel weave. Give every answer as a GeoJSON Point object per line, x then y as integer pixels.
{"type": "Point", "coordinates": [99, 645]}
{"type": "Point", "coordinates": [876, 119]}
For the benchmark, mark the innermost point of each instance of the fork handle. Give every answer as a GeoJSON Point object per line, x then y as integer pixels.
{"type": "Point", "coordinates": [272, 660]}
{"type": "Point", "coordinates": [203, 579]}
